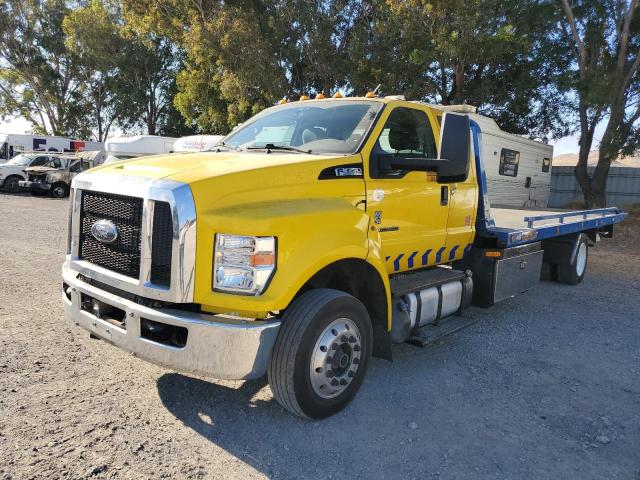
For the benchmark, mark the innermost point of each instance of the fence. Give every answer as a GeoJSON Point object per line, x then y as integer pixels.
{"type": "Point", "coordinates": [623, 186]}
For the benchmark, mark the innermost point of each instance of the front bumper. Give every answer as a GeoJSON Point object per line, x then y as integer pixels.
{"type": "Point", "coordinates": [42, 187]}
{"type": "Point", "coordinates": [216, 346]}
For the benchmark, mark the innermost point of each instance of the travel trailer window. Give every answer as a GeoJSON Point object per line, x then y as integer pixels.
{"type": "Point", "coordinates": [546, 165]}
{"type": "Point", "coordinates": [509, 160]}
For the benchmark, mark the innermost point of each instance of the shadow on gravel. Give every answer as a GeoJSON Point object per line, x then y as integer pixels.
{"type": "Point", "coordinates": [229, 417]}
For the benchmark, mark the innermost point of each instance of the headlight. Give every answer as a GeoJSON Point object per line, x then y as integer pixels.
{"type": "Point", "coordinates": [243, 264]}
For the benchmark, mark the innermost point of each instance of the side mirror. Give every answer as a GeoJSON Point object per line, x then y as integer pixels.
{"type": "Point", "coordinates": [455, 143]}
{"type": "Point", "coordinates": [451, 166]}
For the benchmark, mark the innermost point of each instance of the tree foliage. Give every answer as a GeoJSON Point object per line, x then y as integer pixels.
{"type": "Point", "coordinates": [540, 68]}
{"type": "Point", "coordinates": [38, 75]}
{"type": "Point", "coordinates": [604, 39]}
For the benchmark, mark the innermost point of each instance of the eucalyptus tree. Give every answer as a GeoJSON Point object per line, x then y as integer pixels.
{"type": "Point", "coordinates": [38, 74]}
{"type": "Point", "coordinates": [603, 37]}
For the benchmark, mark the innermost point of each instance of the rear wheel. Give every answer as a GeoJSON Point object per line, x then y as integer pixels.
{"type": "Point", "coordinates": [11, 184]}
{"type": "Point", "coordinates": [573, 273]}
{"type": "Point", "coordinates": [321, 354]}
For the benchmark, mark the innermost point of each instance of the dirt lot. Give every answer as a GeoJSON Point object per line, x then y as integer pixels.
{"type": "Point", "coordinates": [543, 386]}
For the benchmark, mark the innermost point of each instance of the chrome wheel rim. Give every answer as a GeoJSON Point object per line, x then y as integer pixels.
{"type": "Point", "coordinates": [58, 192]}
{"type": "Point", "coordinates": [581, 261]}
{"type": "Point", "coordinates": [336, 358]}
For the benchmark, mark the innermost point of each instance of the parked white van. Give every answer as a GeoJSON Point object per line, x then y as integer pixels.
{"type": "Point", "coordinates": [125, 148]}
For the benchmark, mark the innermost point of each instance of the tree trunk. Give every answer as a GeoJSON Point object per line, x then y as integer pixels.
{"type": "Point", "coordinates": [586, 140]}
{"type": "Point", "coordinates": [459, 84]}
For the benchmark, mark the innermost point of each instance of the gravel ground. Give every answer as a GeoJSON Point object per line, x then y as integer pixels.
{"type": "Point", "coordinates": [543, 386]}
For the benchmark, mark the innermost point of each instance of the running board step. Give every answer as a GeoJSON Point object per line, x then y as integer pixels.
{"type": "Point", "coordinates": [431, 333]}
{"type": "Point", "coordinates": [405, 283]}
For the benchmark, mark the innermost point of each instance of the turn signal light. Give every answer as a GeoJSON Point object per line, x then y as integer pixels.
{"type": "Point", "coordinates": [370, 95]}
{"type": "Point", "coordinates": [320, 96]}
{"type": "Point", "coordinates": [304, 97]}
{"type": "Point", "coordinates": [338, 95]}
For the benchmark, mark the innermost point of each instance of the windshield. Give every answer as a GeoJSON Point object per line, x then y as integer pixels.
{"type": "Point", "coordinates": [330, 126]}
{"type": "Point", "coordinates": [20, 160]}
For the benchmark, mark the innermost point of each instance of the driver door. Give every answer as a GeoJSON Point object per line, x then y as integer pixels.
{"type": "Point", "coordinates": [409, 209]}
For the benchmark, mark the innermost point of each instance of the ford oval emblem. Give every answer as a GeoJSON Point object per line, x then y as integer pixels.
{"type": "Point", "coordinates": [104, 231]}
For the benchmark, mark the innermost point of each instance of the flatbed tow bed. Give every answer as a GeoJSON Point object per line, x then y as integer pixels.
{"type": "Point", "coordinates": [511, 227]}
{"type": "Point", "coordinates": [513, 241]}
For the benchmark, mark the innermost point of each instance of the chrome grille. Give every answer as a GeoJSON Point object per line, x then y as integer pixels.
{"type": "Point", "coordinates": [161, 244]}
{"type": "Point", "coordinates": [123, 255]}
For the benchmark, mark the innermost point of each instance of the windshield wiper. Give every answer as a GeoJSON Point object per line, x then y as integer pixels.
{"type": "Point", "coordinates": [286, 148]}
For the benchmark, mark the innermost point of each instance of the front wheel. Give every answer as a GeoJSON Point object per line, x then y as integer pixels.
{"type": "Point", "coordinates": [12, 185]}
{"type": "Point", "coordinates": [321, 354]}
{"type": "Point", "coordinates": [59, 190]}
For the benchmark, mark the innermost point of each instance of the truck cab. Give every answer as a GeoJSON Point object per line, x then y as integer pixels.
{"type": "Point", "coordinates": [312, 237]}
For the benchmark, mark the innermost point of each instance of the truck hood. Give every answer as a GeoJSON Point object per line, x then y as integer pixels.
{"type": "Point", "coordinates": [192, 167]}
{"type": "Point", "coordinates": [231, 179]}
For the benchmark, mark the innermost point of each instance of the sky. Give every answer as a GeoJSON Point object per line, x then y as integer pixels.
{"type": "Point", "coordinates": [563, 145]}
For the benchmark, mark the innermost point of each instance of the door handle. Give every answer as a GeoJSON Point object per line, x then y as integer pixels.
{"type": "Point", "coordinates": [444, 195]}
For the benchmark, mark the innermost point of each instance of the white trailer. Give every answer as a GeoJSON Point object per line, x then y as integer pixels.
{"type": "Point", "coordinates": [12, 144]}
{"type": "Point", "coordinates": [125, 148]}
{"type": "Point", "coordinates": [196, 143]}
{"type": "Point", "coordinates": [518, 169]}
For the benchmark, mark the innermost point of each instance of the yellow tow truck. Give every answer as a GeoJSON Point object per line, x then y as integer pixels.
{"type": "Point", "coordinates": [312, 237]}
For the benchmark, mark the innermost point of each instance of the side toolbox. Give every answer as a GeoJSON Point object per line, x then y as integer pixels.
{"type": "Point", "coordinates": [500, 273]}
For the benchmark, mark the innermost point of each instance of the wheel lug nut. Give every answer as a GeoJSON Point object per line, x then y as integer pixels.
{"type": "Point", "coordinates": [352, 339]}
{"type": "Point", "coordinates": [330, 373]}
{"type": "Point", "coordinates": [343, 338]}
{"type": "Point", "coordinates": [356, 361]}
{"type": "Point", "coordinates": [351, 374]}
{"type": "Point", "coordinates": [334, 346]}
{"type": "Point", "coordinates": [356, 348]}
{"type": "Point", "coordinates": [329, 359]}
{"type": "Point", "coordinates": [335, 382]}
{"type": "Point", "coordinates": [343, 382]}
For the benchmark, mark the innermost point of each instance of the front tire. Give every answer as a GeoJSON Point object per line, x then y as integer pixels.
{"type": "Point", "coordinates": [573, 273]}
{"type": "Point", "coordinates": [11, 184]}
{"type": "Point", "coordinates": [321, 354]}
{"type": "Point", "coordinates": [59, 190]}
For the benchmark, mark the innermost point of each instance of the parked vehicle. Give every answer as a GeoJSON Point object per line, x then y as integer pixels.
{"type": "Point", "coordinates": [14, 171]}
{"type": "Point", "coordinates": [55, 177]}
{"type": "Point", "coordinates": [126, 148]}
{"type": "Point", "coordinates": [15, 144]}
{"type": "Point", "coordinates": [196, 143]}
{"type": "Point", "coordinates": [321, 233]}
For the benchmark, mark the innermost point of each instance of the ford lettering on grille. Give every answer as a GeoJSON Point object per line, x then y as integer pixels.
{"type": "Point", "coordinates": [104, 231]}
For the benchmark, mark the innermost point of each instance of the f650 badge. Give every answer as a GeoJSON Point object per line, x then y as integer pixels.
{"type": "Point", "coordinates": [104, 231]}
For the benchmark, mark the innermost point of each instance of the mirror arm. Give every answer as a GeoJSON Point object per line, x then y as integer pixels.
{"type": "Point", "coordinates": [412, 164]}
